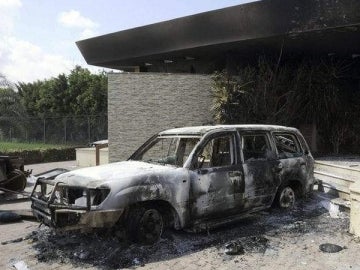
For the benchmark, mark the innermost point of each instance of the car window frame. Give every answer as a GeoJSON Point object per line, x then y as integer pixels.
{"type": "Point", "coordinates": [255, 132]}
{"type": "Point", "coordinates": [138, 154]}
{"type": "Point", "coordinates": [297, 140]}
{"type": "Point", "coordinates": [207, 138]}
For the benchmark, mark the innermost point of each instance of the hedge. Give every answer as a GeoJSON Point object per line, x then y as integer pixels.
{"type": "Point", "coordinates": [42, 156]}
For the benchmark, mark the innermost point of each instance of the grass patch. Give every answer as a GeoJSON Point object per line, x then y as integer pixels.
{"type": "Point", "coordinates": [7, 147]}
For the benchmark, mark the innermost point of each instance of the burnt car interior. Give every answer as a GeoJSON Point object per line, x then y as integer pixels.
{"type": "Point", "coordinates": [287, 146]}
{"type": "Point", "coordinates": [216, 153]}
{"type": "Point", "coordinates": [255, 146]}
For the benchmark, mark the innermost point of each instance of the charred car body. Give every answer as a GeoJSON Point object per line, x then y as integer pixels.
{"type": "Point", "coordinates": [192, 177]}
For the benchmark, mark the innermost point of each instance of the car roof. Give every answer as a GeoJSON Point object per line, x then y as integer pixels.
{"type": "Point", "coordinates": [199, 130]}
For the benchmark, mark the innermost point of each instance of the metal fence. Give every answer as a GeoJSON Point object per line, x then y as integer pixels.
{"type": "Point", "coordinates": [59, 129]}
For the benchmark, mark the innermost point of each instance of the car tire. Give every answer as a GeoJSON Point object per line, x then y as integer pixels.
{"type": "Point", "coordinates": [285, 197]}
{"type": "Point", "coordinates": [16, 181]}
{"type": "Point", "coordinates": [144, 225]}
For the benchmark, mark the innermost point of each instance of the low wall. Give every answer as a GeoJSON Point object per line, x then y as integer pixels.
{"type": "Point", "coordinates": [345, 183]}
{"type": "Point", "coordinates": [355, 209]}
{"type": "Point", "coordinates": [336, 179]}
{"type": "Point", "coordinates": [86, 157]}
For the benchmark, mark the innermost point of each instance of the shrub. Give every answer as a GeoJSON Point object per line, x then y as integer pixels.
{"type": "Point", "coordinates": [42, 156]}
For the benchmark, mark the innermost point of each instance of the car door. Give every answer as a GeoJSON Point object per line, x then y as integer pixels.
{"type": "Point", "coordinates": [295, 164]}
{"type": "Point", "coordinates": [217, 185]}
{"type": "Point", "coordinates": [261, 169]}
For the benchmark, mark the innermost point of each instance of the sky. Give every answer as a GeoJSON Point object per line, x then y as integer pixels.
{"type": "Point", "coordinates": [37, 37]}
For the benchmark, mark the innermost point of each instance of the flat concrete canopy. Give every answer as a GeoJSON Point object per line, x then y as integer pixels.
{"type": "Point", "coordinates": [297, 27]}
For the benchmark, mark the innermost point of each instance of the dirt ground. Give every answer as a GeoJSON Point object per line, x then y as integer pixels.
{"type": "Point", "coordinates": [267, 240]}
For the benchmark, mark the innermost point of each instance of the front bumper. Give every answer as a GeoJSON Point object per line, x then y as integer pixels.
{"type": "Point", "coordinates": [48, 210]}
{"type": "Point", "coordinates": [68, 219]}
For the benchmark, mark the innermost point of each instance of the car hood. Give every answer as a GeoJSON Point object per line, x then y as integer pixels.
{"type": "Point", "coordinates": [112, 174]}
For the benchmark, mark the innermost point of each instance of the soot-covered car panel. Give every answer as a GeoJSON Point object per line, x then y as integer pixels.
{"type": "Point", "coordinates": [182, 178]}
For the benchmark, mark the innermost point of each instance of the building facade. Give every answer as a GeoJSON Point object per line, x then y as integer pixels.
{"type": "Point", "coordinates": [170, 63]}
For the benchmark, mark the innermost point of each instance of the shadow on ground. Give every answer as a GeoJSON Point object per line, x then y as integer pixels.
{"type": "Point", "coordinates": [105, 251]}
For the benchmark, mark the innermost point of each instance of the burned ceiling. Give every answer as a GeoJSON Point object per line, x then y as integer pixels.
{"type": "Point", "coordinates": [319, 27]}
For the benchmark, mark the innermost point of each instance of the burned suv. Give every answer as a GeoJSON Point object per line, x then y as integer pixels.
{"type": "Point", "coordinates": [191, 177]}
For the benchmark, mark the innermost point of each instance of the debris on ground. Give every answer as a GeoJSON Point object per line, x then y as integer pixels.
{"type": "Point", "coordinates": [9, 217]}
{"type": "Point", "coordinates": [330, 248]}
{"type": "Point", "coordinates": [334, 210]}
{"type": "Point", "coordinates": [259, 233]}
{"type": "Point", "coordinates": [16, 240]}
{"type": "Point", "coordinates": [234, 248]}
{"type": "Point", "coordinates": [20, 265]}
{"type": "Point", "coordinates": [82, 254]}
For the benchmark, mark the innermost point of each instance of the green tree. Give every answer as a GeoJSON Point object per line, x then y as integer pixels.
{"type": "Point", "coordinates": [79, 93]}
{"type": "Point", "coordinates": [13, 117]}
{"type": "Point", "coordinates": [87, 92]}
{"type": "Point", "coordinates": [30, 95]}
{"type": "Point", "coordinates": [70, 104]}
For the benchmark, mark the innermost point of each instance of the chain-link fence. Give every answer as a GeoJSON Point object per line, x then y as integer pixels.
{"type": "Point", "coordinates": [65, 130]}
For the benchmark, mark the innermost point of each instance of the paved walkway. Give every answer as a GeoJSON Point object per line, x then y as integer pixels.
{"type": "Point", "coordinates": [42, 167]}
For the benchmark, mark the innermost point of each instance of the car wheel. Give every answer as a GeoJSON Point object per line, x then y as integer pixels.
{"type": "Point", "coordinates": [285, 197]}
{"type": "Point", "coordinates": [145, 225]}
{"type": "Point", "coordinates": [16, 181]}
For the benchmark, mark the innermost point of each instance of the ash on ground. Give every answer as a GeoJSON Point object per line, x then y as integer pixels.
{"type": "Point", "coordinates": [260, 233]}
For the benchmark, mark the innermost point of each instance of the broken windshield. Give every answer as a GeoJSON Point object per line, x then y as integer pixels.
{"type": "Point", "coordinates": [169, 150]}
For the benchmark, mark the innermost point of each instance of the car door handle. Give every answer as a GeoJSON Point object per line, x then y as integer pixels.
{"type": "Point", "coordinates": [203, 171]}
{"type": "Point", "coordinates": [235, 174]}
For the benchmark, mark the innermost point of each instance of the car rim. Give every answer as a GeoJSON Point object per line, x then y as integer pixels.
{"type": "Point", "coordinates": [151, 226]}
{"type": "Point", "coordinates": [287, 197]}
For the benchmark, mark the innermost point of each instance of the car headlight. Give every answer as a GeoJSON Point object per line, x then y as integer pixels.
{"type": "Point", "coordinates": [97, 196]}
{"type": "Point", "coordinates": [78, 196]}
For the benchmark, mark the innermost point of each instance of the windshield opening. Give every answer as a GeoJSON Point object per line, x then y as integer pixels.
{"type": "Point", "coordinates": [169, 150]}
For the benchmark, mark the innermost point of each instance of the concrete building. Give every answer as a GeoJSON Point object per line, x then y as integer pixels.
{"type": "Point", "coordinates": [168, 65]}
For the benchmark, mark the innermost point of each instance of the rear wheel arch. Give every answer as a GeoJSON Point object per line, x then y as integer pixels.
{"type": "Point", "coordinates": [297, 186]}
{"type": "Point", "coordinates": [287, 193]}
